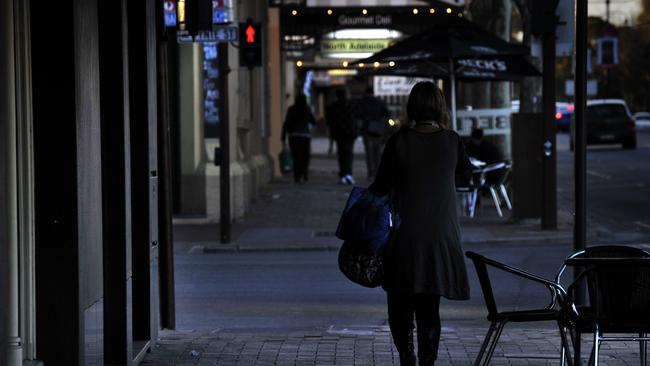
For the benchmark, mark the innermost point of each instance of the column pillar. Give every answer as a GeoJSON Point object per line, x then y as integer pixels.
{"type": "Point", "coordinates": [9, 296]}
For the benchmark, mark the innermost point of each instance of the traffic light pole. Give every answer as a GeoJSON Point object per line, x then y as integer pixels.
{"type": "Point", "coordinates": [549, 160]}
{"type": "Point", "coordinates": [224, 143]}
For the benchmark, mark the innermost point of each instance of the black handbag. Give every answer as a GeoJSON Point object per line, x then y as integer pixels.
{"type": "Point", "coordinates": [360, 264]}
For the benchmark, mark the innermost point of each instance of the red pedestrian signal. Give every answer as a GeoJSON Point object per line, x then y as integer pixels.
{"type": "Point", "coordinates": [250, 34]}
{"type": "Point", "coordinates": [250, 44]}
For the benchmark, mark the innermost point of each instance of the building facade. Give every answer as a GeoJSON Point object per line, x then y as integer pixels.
{"type": "Point", "coordinates": [101, 115]}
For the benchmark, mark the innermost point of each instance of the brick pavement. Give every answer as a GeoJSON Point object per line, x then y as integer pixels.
{"type": "Point", "coordinates": [298, 217]}
{"type": "Point", "coordinates": [371, 346]}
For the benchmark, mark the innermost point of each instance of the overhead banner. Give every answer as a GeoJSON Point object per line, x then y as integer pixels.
{"type": "Point", "coordinates": [395, 85]}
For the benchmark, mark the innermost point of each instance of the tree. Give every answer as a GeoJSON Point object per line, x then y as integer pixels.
{"type": "Point", "coordinates": [632, 72]}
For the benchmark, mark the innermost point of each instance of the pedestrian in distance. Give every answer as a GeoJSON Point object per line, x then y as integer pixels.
{"type": "Point", "coordinates": [343, 129]}
{"type": "Point", "coordinates": [297, 126]}
{"type": "Point", "coordinates": [374, 117]}
{"type": "Point", "coordinates": [424, 259]}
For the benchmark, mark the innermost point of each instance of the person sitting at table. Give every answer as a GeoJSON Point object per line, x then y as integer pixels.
{"type": "Point", "coordinates": [486, 152]}
{"type": "Point", "coordinates": [481, 149]}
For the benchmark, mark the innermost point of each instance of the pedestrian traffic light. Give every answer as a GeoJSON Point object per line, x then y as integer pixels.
{"type": "Point", "coordinates": [250, 44]}
{"type": "Point", "coordinates": [543, 17]}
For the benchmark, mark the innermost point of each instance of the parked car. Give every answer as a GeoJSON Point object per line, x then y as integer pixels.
{"type": "Point", "coordinates": [642, 120]}
{"type": "Point", "coordinates": [608, 121]}
{"type": "Point", "coordinates": [564, 115]}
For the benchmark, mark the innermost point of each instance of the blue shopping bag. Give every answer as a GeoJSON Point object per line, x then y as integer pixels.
{"type": "Point", "coordinates": [367, 218]}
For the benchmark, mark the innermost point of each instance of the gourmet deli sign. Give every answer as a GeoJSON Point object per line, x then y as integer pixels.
{"type": "Point", "coordinates": [365, 20]}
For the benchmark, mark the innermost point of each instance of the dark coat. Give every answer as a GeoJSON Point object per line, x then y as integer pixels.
{"type": "Point", "coordinates": [425, 255]}
{"type": "Point", "coordinates": [373, 114]}
{"type": "Point", "coordinates": [341, 121]}
{"type": "Point", "coordinates": [298, 122]}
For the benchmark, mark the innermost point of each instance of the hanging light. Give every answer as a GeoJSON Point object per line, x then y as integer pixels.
{"type": "Point", "coordinates": [364, 11]}
{"type": "Point", "coordinates": [415, 11]}
{"type": "Point", "coordinates": [361, 64]}
{"type": "Point", "coordinates": [345, 64]}
{"type": "Point", "coordinates": [391, 63]}
{"type": "Point", "coordinates": [180, 15]}
{"type": "Point", "coordinates": [329, 12]}
{"type": "Point", "coordinates": [294, 12]}
{"type": "Point", "coordinates": [448, 10]}
{"type": "Point", "coordinates": [299, 63]}
{"type": "Point", "coordinates": [376, 64]}
{"type": "Point", "coordinates": [432, 11]}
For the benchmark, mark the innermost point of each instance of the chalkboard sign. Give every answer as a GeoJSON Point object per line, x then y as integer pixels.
{"type": "Point", "coordinates": [210, 90]}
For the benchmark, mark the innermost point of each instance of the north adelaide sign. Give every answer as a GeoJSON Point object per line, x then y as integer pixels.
{"type": "Point", "coordinates": [329, 46]}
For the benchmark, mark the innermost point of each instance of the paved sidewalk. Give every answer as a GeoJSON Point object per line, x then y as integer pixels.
{"type": "Point", "coordinates": [288, 216]}
{"type": "Point", "coordinates": [369, 346]}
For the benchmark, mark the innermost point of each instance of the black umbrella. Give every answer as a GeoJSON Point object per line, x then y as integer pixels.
{"type": "Point", "coordinates": [498, 68]}
{"type": "Point", "coordinates": [450, 38]}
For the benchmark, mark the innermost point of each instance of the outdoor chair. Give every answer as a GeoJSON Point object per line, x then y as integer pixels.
{"type": "Point", "coordinates": [618, 284]}
{"type": "Point", "coordinates": [493, 178]}
{"type": "Point", "coordinates": [469, 193]}
{"type": "Point", "coordinates": [498, 319]}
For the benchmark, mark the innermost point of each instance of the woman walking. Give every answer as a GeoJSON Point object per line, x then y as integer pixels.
{"type": "Point", "coordinates": [425, 260]}
{"type": "Point", "coordinates": [297, 125]}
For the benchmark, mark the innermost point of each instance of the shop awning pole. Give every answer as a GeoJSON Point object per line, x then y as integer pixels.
{"type": "Point", "coordinates": [452, 82]}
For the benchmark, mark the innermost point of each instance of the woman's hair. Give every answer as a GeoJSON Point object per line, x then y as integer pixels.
{"type": "Point", "coordinates": [426, 103]}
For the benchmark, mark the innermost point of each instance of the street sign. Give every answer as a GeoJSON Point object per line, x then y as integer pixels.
{"type": "Point", "coordinates": [218, 34]}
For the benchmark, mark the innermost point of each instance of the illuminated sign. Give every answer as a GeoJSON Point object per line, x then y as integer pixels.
{"type": "Point", "coordinates": [377, 20]}
{"type": "Point", "coordinates": [222, 11]}
{"type": "Point", "coordinates": [395, 85]}
{"type": "Point", "coordinates": [354, 45]}
{"type": "Point", "coordinates": [169, 8]}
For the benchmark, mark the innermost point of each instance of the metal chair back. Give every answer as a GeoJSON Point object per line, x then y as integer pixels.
{"type": "Point", "coordinates": [619, 292]}
{"type": "Point", "coordinates": [484, 280]}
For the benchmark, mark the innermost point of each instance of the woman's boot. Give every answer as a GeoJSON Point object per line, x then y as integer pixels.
{"type": "Point", "coordinates": [428, 340]}
{"type": "Point", "coordinates": [404, 343]}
